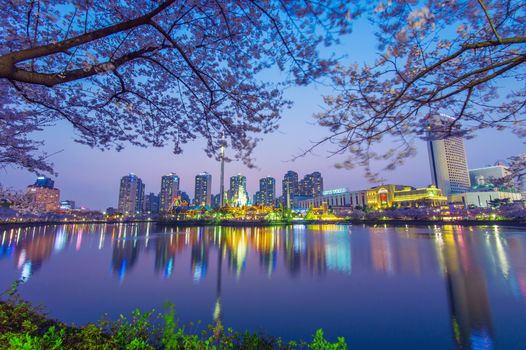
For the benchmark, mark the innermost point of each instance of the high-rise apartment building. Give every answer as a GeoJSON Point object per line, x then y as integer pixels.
{"type": "Point", "coordinates": [447, 157]}
{"type": "Point", "coordinates": [169, 191]}
{"type": "Point", "coordinates": [44, 195]}
{"type": "Point", "coordinates": [267, 192]}
{"type": "Point", "coordinates": [203, 189]}
{"type": "Point", "coordinates": [131, 194]}
{"type": "Point", "coordinates": [289, 187]}
{"type": "Point", "coordinates": [151, 203]}
{"type": "Point", "coordinates": [238, 191]}
{"type": "Point", "coordinates": [311, 185]}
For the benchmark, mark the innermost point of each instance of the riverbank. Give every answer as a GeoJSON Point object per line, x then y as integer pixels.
{"type": "Point", "coordinates": [23, 326]}
{"type": "Point", "coordinates": [369, 222]}
{"type": "Point", "coordinates": [252, 223]}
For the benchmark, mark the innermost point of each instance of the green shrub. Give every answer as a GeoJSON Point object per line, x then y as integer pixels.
{"type": "Point", "coordinates": [23, 326]}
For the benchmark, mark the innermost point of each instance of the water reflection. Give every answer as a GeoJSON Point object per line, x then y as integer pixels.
{"type": "Point", "coordinates": [465, 259]}
{"type": "Point", "coordinates": [467, 292]}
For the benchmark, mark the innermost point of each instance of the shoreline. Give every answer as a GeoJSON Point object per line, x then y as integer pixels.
{"type": "Point", "coordinates": [233, 223]}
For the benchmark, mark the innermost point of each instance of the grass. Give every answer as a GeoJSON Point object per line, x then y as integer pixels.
{"type": "Point", "coordinates": [24, 326]}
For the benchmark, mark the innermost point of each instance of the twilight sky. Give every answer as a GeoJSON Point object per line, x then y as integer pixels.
{"type": "Point", "coordinates": [91, 177]}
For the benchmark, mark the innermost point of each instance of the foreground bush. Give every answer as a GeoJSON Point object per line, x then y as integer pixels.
{"type": "Point", "coordinates": [23, 326]}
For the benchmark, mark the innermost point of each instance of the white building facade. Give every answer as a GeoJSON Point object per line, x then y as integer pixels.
{"type": "Point", "coordinates": [336, 198]}
{"type": "Point", "coordinates": [449, 168]}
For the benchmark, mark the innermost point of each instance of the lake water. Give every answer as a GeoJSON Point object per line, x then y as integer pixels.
{"type": "Point", "coordinates": [428, 287]}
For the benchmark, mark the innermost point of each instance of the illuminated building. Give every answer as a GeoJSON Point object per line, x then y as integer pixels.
{"type": "Point", "coordinates": [131, 194]}
{"type": "Point", "coordinates": [43, 181]}
{"type": "Point", "coordinates": [336, 198]}
{"type": "Point", "coordinates": [379, 197]}
{"type": "Point", "coordinates": [321, 213]}
{"type": "Point", "coordinates": [311, 185]}
{"type": "Point", "coordinates": [358, 199]}
{"type": "Point", "coordinates": [203, 190]}
{"type": "Point", "coordinates": [43, 195]}
{"type": "Point", "coordinates": [487, 175]}
{"type": "Point", "coordinates": [238, 190]}
{"type": "Point", "coordinates": [169, 191]}
{"type": "Point", "coordinates": [267, 192]}
{"type": "Point", "coordinates": [151, 203]}
{"type": "Point", "coordinates": [398, 196]}
{"type": "Point", "coordinates": [289, 187]}
{"type": "Point", "coordinates": [67, 205]}
{"type": "Point", "coordinates": [419, 197]}
{"type": "Point", "coordinates": [447, 157]}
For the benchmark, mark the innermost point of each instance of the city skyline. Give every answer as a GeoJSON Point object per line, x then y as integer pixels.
{"type": "Point", "coordinates": [479, 154]}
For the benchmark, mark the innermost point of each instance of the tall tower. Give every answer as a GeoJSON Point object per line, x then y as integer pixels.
{"type": "Point", "coordinates": [131, 194]}
{"type": "Point", "coordinates": [169, 191]}
{"type": "Point", "coordinates": [447, 157]}
{"type": "Point", "coordinates": [222, 177]}
{"type": "Point", "coordinates": [203, 189]}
